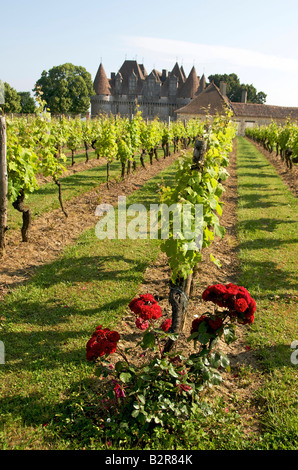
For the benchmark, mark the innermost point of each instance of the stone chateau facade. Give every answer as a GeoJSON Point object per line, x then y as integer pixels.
{"type": "Point", "coordinates": [157, 93]}
{"type": "Point", "coordinates": [170, 94]}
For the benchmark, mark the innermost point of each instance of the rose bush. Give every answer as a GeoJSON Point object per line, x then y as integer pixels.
{"type": "Point", "coordinates": [102, 342]}
{"type": "Point", "coordinates": [159, 386]}
{"type": "Point", "coordinates": [235, 299]}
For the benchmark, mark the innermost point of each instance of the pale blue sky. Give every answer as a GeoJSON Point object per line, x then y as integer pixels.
{"type": "Point", "coordinates": [257, 40]}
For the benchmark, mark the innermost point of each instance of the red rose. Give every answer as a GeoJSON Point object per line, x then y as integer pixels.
{"type": "Point", "coordinates": [220, 289]}
{"type": "Point", "coordinates": [196, 323]}
{"type": "Point", "coordinates": [166, 324]}
{"type": "Point", "coordinates": [215, 323]}
{"type": "Point", "coordinates": [232, 289]}
{"type": "Point", "coordinates": [240, 305]}
{"type": "Point", "coordinates": [235, 298]}
{"type": "Point", "coordinates": [146, 307]}
{"type": "Point", "coordinates": [215, 294]}
{"type": "Point", "coordinates": [113, 336]}
{"type": "Point", "coordinates": [252, 307]}
{"type": "Point", "coordinates": [151, 312]}
{"type": "Point", "coordinates": [206, 294]}
{"type": "Point", "coordinates": [119, 392]}
{"type": "Point", "coordinates": [103, 341]}
{"type": "Point", "coordinates": [141, 324]}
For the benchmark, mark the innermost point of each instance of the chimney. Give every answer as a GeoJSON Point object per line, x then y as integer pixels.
{"type": "Point", "coordinates": [223, 88]}
{"type": "Point", "coordinates": [244, 96]}
{"type": "Point", "coordinates": [164, 75]}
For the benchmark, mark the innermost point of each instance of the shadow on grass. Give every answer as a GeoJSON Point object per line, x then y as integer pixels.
{"type": "Point", "coordinates": [258, 176]}
{"type": "Point", "coordinates": [257, 200]}
{"type": "Point", "coordinates": [271, 357]}
{"type": "Point", "coordinates": [73, 273]}
{"type": "Point", "coordinates": [266, 276]}
{"type": "Point", "coordinates": [263, 224]}
{"type": "Point", "coordinates": [265, 243]}
{"type": "Point", "coordinates": [80, 413]}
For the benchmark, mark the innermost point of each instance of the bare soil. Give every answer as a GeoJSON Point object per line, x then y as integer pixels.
{"type": "Point", "coordinates": [52, 232]}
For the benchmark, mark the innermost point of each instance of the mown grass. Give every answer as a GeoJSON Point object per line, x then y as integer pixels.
{"type": "Point", "coordinates": [267, 231]}
{"type": "Point", "coordinates": [49, 397]}
{"type": "Point", "coordinates": [47, 324]}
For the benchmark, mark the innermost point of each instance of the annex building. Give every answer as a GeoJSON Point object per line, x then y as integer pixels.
{"type": "Point", "coordinates": [214, 100]}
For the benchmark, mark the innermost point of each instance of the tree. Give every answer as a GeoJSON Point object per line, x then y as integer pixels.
{"type": "Point", "coordinates": [66, 89]}
{"type": "Point", "coordinates": [12, 101]}
{"type": "Point", "coordinates": [235, 88]}
{"type": "Point", "coordinates": [27, 102]}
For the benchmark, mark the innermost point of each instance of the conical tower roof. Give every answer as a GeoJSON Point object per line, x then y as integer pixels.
{"type": "Point", "coordinates": [178, 73]}
{"type": "Point", "coordinates": [202, 85]}
{"type": "Point", "coordinates": [190, 86]}
{"type": "Point", "coordinates": [101, 83]}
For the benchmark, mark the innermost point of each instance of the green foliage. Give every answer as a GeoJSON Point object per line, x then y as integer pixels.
{"type": "Point", "coordinates": [160, 389]}
{"type": "Point", "coordinates": [106, 143]}
{"type": "Point", "coordinates": [75, 135]}
{"type": "Point", "coordinates": [198, 186]}
{"type": "Point", "coordinates": [32, 149]}
{"type": "Point", "coordinates": [22, 161]}
{"type": "Point", "coordinates": [281, 138]}
{"type": "Point", "coordinates": [27, 103]}
{"type": "Point", "coordinates": [66, 89]}
{"type": "Point", "coordinates": [235, 88]}
{"type": "Point", "coordinates": [12, 100]}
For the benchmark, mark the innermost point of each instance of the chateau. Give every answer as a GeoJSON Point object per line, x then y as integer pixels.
{"type": "Point", "coordinates": [170, 94]}
{"type": "Point", "coordinates": [157, 93]}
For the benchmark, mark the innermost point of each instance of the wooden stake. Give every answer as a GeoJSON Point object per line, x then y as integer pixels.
{"type": "Point", "coordinates": [3, 185]}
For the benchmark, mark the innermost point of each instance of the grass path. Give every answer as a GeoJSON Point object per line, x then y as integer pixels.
{"type": "Point", "coordinates": [48, 321]}
{"type": "Point", "coordinates": [48, 394]}
{"type": "Point", "coordinates": [267, 232]}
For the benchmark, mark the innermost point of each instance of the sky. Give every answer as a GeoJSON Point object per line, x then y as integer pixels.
{"type": "Point", "coordinates": [257, 40]}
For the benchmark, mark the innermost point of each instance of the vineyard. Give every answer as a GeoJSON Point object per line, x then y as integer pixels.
{"type": "Point", "coordinates": [38, 148]}
{"type": "Point", "coordinates": [139, 342]}
{"type": "Point", "coordinates": [283, 140]}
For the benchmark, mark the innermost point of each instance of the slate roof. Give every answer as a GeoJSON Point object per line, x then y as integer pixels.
{"type": "Point", "coordinates": [157, 75]}
{"type": "Point", "coordinates": [128, 68]}
{"type": "Point", "coordinates": [179, 73]}
{"type": "Point", "coordinates": [202, 85]}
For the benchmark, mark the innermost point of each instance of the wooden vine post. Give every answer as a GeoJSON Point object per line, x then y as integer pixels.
{"type": "Point", "coordinates": [3, 186]}
{"type": "Point", "coordinates": [181, 290]}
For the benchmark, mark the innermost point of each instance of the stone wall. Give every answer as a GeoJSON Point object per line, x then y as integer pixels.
{"type": "Point", "coordinates": [242, 121]}
{"type": "Point", "coordinates": [123, 105]}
